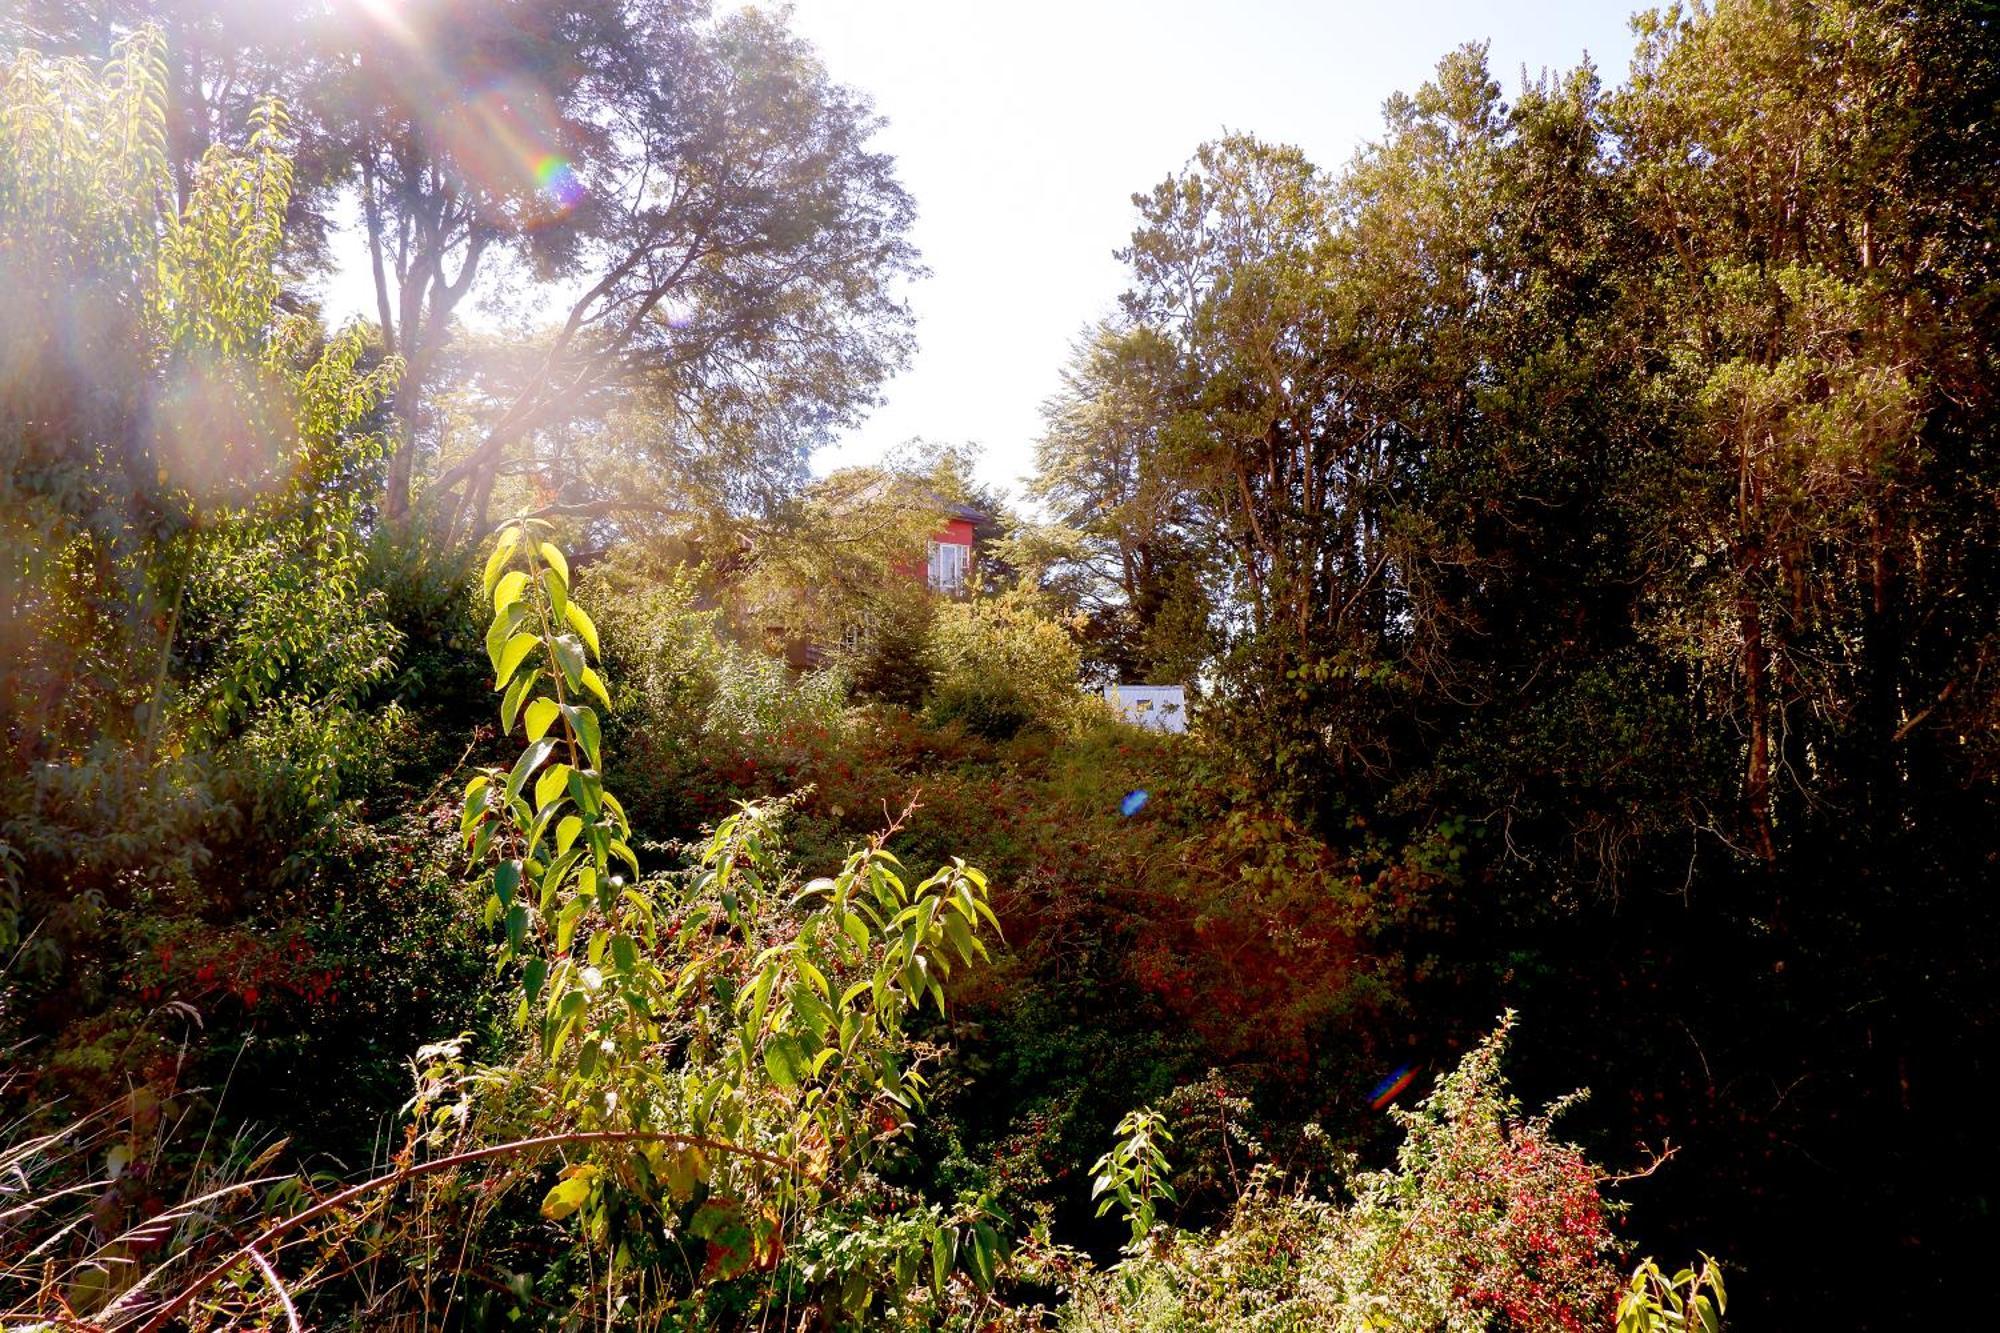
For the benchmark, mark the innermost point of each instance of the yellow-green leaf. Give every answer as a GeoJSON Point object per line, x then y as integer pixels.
{"type": "Point", "coordinates": [511, 657]}
{"type": "Point", "coordinates": [508, 591]}
{"type": "Point", "coordinates": [586, 629]}
{"type": "Point", "coordinates": [569, 1195]}
{"type": "Point", "coordinates": [550, 784]}
{"type": "Point", "coordinates": [497, 562]}
{"type": "Point", "coordinates": [542, 713]}
{"type": "Point", "coordinates": [496, 634]}
{"type": "Point", "coordinates": [566, 830]}
{"type": "Point", "coordinates": [530, 760]}
{"type": "Point", "coordinates": [584, 723]}
{"type": "Point", "coordinates": [510, 705]}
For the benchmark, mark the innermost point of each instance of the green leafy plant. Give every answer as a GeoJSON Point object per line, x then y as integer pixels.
{"type": "Point", "coordinates": [1691, 1301]}
{"type": "Point", "coordinates": [193, 664]}
{"type": "Point", "coordinates": [1485, 1221]}
{"type": "Point", "coordinates": [736, 1047]}
{"type": "Point", "coordinates": [1134, 1175]}
{"type": "Point", "coordinates": [1000, 664]}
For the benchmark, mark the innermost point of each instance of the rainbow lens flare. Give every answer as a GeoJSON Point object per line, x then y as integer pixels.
{"type": "Point", "coordinates": [557, 181]}
{"type": "Point", "coordinates": [1393, 1087]}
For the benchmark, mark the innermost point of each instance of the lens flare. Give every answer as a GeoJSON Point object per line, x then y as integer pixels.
{"type": "Point", "coordinates": [503, 140]}
{"type": "Point", "coordinates": [557, 181]}
{"type": "Point", "coordinates": [1393, 1087]}
{"type": "Point", "coordinates": [1134, 802]}
{"type": "Point", "coordinates": [500, 129]}
{"type": "Point", "coordinates": [388, 14]}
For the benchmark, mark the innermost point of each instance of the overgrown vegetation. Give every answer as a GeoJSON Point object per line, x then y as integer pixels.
{"type": "Point", "coordinates": [1574, 519]}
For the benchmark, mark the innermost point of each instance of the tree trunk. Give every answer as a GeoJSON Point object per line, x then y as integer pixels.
{"type": "Point", "coordinates": [1882, 653]}
{"type": "Point", "coordinates": [402, 458]}
{"type": "Point", "coordinates": [1757, 777]}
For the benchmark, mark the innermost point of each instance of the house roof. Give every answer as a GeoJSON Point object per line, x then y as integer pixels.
{"type": "Point", "coordinates": [919, 493]}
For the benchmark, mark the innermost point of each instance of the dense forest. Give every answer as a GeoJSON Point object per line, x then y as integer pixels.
{"type": "Point", "coordinates": [492, 838]}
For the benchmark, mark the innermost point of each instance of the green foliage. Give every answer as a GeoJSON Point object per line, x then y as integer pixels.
{"type": "Point", "coordinates": [1134, 1175]}
{"type": "Point", "coordinates": [1485, 1221]}
{"type": "Point", "coordinates": [1123, 552]}
{"type": "Point", "coordinates": [1000, 664]}
{"type": "Point", "coordinates": [1592, 487]}
{"type": "Point", "coordinates": [744, 1039]}
{"type": "Point", "coordinates": [1578, 490]}
{"type": "Point", "coordinates": [1689, 1300]}
{"type": "Point", "coordinates": [192, 657]}
{"type": "Point", "coordinates": [756, 695]}
{"type": "Point", "coordinates": [888, 660]}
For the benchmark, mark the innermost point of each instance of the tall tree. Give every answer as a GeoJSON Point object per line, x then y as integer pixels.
{"type": "Point", "coordinates": [1815, 288]}
{"type": "Point", "coordinates": [700, 187]}
{"type": "Point", "coordinates": [1124, 549]}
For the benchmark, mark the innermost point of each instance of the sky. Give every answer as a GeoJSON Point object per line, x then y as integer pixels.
{"type": "Point", "coordinates": [1023, 128]}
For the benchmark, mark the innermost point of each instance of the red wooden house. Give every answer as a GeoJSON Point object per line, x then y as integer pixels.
{"type": "Point", "coordinates": [948, 569]}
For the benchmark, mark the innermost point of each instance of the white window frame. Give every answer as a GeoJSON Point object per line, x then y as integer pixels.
{"type": "Point", "coordinates": [950, 563]}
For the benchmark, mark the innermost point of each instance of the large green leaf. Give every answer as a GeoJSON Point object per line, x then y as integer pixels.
{"type": "Point", "coordinates": [531, 759]}
{"type": "Point", "coordinates": [506, 879]}
{"type": "Point", "coordinates": [551, 784]}
{"type": "Point", "coordinates": [497, 561]}
{"type": "Point", "coordinates": [513, 584]}
{"type": "Point", "coordinates": [511, 656]}
{"type": "Point", "coordinates": [503, 624]}
{"type": "Point", "coordinates": [567, 828]}
{"type": "Point", "coordinates": [588, 734]}
{"type": "Point", "coordinates": [541, 714]}
{"type": "Point", "coordinates": [586, 629]}
{"type": "Point", "coordinates": [984, 1256]}
{"type": "Point", "coordinates": [569, 656]}
{"type": "Point", "coordinates": [510, 704]}
{"type": "Point", "coordinates": [786, 1061]}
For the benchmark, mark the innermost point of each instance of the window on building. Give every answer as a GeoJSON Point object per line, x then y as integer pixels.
{"type": "Point", "coordinates": [950, 563]}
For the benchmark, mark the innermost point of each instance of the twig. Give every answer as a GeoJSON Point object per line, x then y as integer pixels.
{"type": "Point", "coordinates": [284, 1297]}
{"type": "Point", "coordinates": [1660, 1159]}
{"type": "Point", "coordinates": [1917, 721]}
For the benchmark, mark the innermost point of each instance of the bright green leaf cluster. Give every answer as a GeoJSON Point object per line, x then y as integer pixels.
{"type": "Point", "coordinates": [563, 840]}
{"type": "Point", "coordinates": [1691, 1301]}
{"type": "Point", "coordinates": [1134, 1174]}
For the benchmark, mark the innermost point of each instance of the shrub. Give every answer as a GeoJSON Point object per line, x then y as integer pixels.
{"type": "Point", "coordinates": [1485, 1221]}
{"type": "Point", "coordinates": [190, 663]}
{"type": "Point", "coordinates": [887, 659]}
{"type": "Point", "coordinates": [701, 719]}
{"type": "Point", "coordinates": [724, 1055]}
{"type": "Point", "coordinates": [999, 664]}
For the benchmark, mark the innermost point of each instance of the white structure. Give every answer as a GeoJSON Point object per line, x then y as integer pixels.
{"type": "Point", "coordinates": [949, 563]}
{"type": "Point", "coordinates": [1158, 707]}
